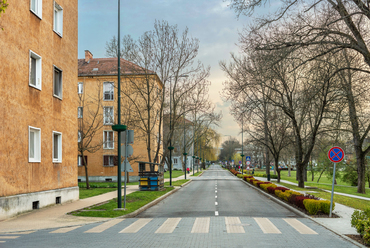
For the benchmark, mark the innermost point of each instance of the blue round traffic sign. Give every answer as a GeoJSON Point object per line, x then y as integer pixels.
{"type": "Point", "coordinates": [336, 154]}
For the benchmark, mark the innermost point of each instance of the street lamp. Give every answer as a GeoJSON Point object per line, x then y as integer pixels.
{"type": "Point", "coordinates": [242, 155]}
{"type": "Point", "coordinates": [185, 144]}
{"type": "Point", "coordinates": [171, 147]}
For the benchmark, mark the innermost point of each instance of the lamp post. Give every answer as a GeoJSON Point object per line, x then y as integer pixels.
{"type": "Point", "coordinates": [119, 128]}
{"type": "Point", "coordinates": [185, 146]}
{"type": "Point", "coordinates": [171, 147]}
{"type": "Point", "coordinates": [242, 155]}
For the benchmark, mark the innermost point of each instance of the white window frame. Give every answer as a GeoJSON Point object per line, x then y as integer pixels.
{"type": "Point", "coordinates": [58, 19]}
{"type": "Point", "coordinates": [80, 112]}
{"type": "Point", "coordinates": [175, 161]}
{"type": "Point", "coordinates": [79, 160]}
{"type": "Point", "coordinates": [110, 92]}
{"type": "Point", "coordinates": [80, 88]}
{"type": "Point", "coordinates": [38, 8]}
{"type": "Point", "coordinates": [106, 143]}
{"type": "Point", "coordinates": [55, 68]}
{"type": "Point", "coordinates": [37, 145]}
{"type": "Point", "coordinates": [106, 118]}
{"type": "Point", "coordinates": [59, 158]}
{"type": "Point", "coordinates": [38, 70]}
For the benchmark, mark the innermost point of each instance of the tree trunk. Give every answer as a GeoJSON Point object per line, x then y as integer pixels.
{"type": "Point", "coordinates": [361, 169]}
{"type": "Point", "coordinates": [322, 172]}
{"type": "Point", "coordinates": [87, 177]}
{"type": "Point", "coordinates": [300, 174]}
{"type": "Point", "coordinates": [277, 169]}
{"type": "Point", "coordinates": [289, 170]}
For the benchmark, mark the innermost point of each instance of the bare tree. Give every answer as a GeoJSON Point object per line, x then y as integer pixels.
{"type": "Point", "coordinates": [90, 122]}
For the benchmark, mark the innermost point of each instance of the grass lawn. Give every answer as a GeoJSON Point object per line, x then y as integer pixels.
{"type": "Point", "coordinates": [134, 201]}
{"type": "Point", "coordinates": [345, 200]}
{"type": "Point", "coordinates": [176, 183]}
{"type": "Point", "coordinates": [175, 173]}
{"type": "Point", "coordinates": [98, 188]}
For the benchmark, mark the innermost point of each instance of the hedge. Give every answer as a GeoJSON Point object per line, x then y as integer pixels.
{"type": "Point", "coordinates": [312, 206]}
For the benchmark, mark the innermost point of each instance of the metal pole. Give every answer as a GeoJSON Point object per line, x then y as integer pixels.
{"type": "Point", "coordinates": [242, 146]}
{"type": "Point", "coordinates": [125, 167]}
{"type": "Point", "coordinates": [119, 179]}
{"type": "Point", "coordinates": [184, 144]}
{"type": "Point", "coordinates": [193, 143]}
{"type": "Point", "coordinates": [170, 132]}
{"type": "Point", "coordinates": [332, 191]}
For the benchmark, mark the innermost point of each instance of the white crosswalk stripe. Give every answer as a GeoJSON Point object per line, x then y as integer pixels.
{"type": "Point", "coordinates": [168, 226]}
{"type": "Point", "coordinates": [136, 226]}
{"type": "Point", "coordinates": [299, 226]}
{"type": "Point", "coordinates": [104, 226]}
{"type": "Point", "coordinates": [266, 225]}
{"type": "Point", "coordinates": [199, 225]}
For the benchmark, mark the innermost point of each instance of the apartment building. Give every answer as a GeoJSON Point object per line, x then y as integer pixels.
{"type": "Point", "coordinates": [97, 112]}
{"type": "Point", "coordinates": [38, 124]}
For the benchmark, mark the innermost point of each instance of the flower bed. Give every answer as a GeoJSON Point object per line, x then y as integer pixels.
{"type": "Point", "coordinates": [311, 204]}
{"type": "Point", "coordinates": [361, 221]}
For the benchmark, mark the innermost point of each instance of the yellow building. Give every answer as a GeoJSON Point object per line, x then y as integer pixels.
{"type": "Point", "coordinates": [38, 124]}
{"type": "Point", "coordinates": [97, 112]}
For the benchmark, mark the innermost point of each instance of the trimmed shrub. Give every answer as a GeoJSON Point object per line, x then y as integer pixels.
{"type": "Point", "coordinates": [261, 182]}
{"type": "Point", "coordinates": [277, 192]}
{"type": "Point", "coordinates": [312, 206]}
{"type": "Point", "coordinates": [361, 221]}
{"type": "Point", "coordinates": [325, 206]}
{"type": "Point", "coordinates": [298, 201]}
{"type": "Point", "coordinates": [312, 197]}
{"type": "Point", "coordinates": [266, 185]}
{"type": "Point", "coordinates": [287, 194]}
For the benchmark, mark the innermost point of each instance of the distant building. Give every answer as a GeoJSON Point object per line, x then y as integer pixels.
{"type": "Point", "coordinates": [38, 124]}
{"type": "Point", "coordinates": [97, 78]}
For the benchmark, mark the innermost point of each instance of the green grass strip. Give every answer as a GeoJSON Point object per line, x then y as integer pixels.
{"type": "Point", "coordinates": [134, 201]}
{"type": "Point", "coordinates": [86, 193]}
{"type": "Point", "coordinates": [176, 183]}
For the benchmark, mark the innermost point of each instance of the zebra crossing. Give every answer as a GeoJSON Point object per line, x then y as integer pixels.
{"type": "Point", "coordinates": [199, 225]}
{"type": "Point", "coordinates": [12, 236]}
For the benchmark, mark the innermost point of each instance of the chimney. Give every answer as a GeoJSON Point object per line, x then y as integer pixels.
{"type": "Point", "coordinates": [88, 56]}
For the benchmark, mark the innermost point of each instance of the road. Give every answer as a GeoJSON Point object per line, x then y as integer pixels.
{"type": "Point", "coordinates": [215, 210]}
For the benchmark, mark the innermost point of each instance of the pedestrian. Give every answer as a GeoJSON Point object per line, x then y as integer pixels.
{"type": "Point", "coordinates": [188, 170]}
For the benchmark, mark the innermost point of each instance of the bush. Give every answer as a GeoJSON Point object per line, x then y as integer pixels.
{"type": "Point", "coordinates": [312, 206]}
{"type": "Point", "coordinates": [277, 192]}
{"type": "Point", "coordinates": [312, 197]}
{"type": "Point", "coordinates": [361, 221]}
{"type": "Point", "coordinates": [266, 185]}
{"type": "Point", "coordinates": [325, 206]}
{"type": "Point", "coordinates": [298, 201]}
{"type": "Point", "coordinates": [287, 194]}
{"type": "Point", "coordinates": [261, 182]}
{"type": "Point", "coordinates": [255, 182]}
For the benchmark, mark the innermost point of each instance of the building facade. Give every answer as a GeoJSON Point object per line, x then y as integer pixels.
{"type": "Point", "coordinates": [97, 112]}
{"type": "Point", "coordinates": [38, 124]}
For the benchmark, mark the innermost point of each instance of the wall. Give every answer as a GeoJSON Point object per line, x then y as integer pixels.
{"type": "Point", "coordinates": [23, 106]}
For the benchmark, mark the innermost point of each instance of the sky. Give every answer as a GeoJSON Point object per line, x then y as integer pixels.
{"type": "Point", "coordinates": [211, 21]}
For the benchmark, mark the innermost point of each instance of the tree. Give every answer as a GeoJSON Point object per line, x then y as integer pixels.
{"type": "Point", "coordinates": [228, 149]}
{"type": "Point", "coordinates": [170, 55]}
{"type": "Point", "coordinates": [90, 122]}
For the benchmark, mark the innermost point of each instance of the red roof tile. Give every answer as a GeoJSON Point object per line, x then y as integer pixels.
{"type": "Point", "coordinates": [108, 66]}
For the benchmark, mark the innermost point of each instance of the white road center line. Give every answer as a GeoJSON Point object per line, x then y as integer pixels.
{"type": "Point", "coordinates": [216, 203]}
{"type": "Point", "coordinates": [216, 213]}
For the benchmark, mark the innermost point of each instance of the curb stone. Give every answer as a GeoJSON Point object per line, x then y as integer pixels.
{"type": "Point", "coordinates": [301, 214]}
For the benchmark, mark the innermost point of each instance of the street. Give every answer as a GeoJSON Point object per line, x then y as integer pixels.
{"type": "Point", "coordinates": [215, 210]}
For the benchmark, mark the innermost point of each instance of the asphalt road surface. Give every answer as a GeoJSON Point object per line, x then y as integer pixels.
{"type": "Point", "coordinates": [215, 210]}
{"type": "Point", "coordinates": [217, 193]}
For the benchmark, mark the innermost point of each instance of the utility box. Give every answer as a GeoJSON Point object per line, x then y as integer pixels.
{"type": "Point", "coordinates": [151, 176]}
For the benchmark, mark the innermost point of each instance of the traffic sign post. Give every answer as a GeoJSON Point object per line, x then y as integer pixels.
{"type": "Point", "coordinates": [335, 154]}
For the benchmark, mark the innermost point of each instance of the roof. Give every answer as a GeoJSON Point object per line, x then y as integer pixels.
{"type": "Point", "coordinates": [108, 66]}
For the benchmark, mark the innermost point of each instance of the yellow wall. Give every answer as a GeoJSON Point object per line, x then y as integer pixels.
{"type": "Point", "coordinates": [23, 106]}
{"type": "Point", "coordinates": [95, 160]}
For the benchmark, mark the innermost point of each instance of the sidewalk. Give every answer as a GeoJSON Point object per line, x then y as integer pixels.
{"type": "Point", "coordinates": [56, 216]}
{"type": "Point", "coordinates": [340, 225]}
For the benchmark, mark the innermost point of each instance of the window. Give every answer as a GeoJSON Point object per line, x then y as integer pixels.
{"type": "Point", "coordinates": [108, 116]}
{"type": "Point", "coordinates": [35, 70]}
{"type": "Point", "coordinates": [58, 19]}
{"type": "Point", "coordinates": [108, 89]}
{"type": "Point", "coordinates": [57, 147]}
{"type": "Point", "coordinates": [80, 161]}
{"type": "Point", "coordinates": [80, 88]}
{"type": "Point", "coordinates": [80, 112]}
{"type": "Point", "coordinates": [110, 160]}
{"type": "Point", "coordinates": [79, 136]}
{"type": "Point", "coordinates": [36, 7]}
{"type": "Point", "coordinates": [108, 139]}
{"type": "Point", "coordinates": [58, 82]}
{"type": "Point", "coordinates": [34, 144]}
{"type": "Point", "coordinates": [175, 160]}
